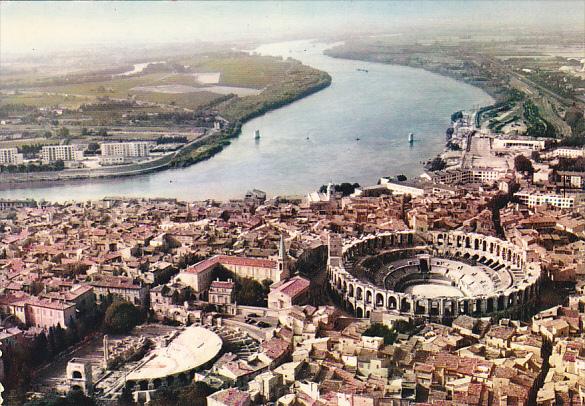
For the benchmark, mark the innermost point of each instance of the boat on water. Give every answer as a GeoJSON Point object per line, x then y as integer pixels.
{"type": "Point", "coordinates": [357, 139]}
{"type": "Point", "coordinates": [410, 138]}
{"type": "Point", "coordinates": [257, 134]}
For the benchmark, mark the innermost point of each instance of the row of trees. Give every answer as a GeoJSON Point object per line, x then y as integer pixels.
{"type": "Point", "coordinates": [73, 398]}
{"type": "Point", "coordinates": [31, 167]}
{"type": "Point", "coordinates": [20, 359]}
{"type": "Point", "coordinates": [193, 395]}
{"type": "Point", "coordinates": [571, 164]}
{"type": "Point", "coordinates": [345, 188]}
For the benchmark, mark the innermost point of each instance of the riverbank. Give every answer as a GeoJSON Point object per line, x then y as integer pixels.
{"type": "Point", "coordinates": [299, 82]}
{"type": "Point", "coordinates": [8, 180]}
{"type": "Point", "coordinates": [308, 143]}
{"type": "Point", "coordinates": [438, 62]}
{"type": "Point", "coordinates": [241, 110]}
{"type": "Point", "coordinates": [443, 61]}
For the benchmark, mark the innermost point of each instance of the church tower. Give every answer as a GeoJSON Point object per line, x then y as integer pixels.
{"type": "Point", "coordinates": [330, 190]}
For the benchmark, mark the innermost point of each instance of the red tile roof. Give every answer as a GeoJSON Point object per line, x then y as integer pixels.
{"type": "Point", "coordinates": [222, 284]}
{"type": "Point", "coordinates": [116, 282]}
{"type": "Point", "coordinates": [208, 263]}
{"type": "Point", "coordinates": [293, 287]}
{"type": "Point", "coordinates": [232, 397]}
{"type": "Point", "coordinates": [275, 348]}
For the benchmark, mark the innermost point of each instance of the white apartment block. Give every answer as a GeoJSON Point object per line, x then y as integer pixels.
{"type": "Point", "coordinates": [52, 153]}
{"type": "Point", "coordinates": [415, 189]}
{"type": "Point", "coordinates": [126, 149]}
{"type": "Point", "coordinates": [10, 156]}
{"type": "Point", "coordinates": [534, 145]}
{"type": "Point", "coordinates": [569, 152]}
{"type": "Point", "coordinates": [487, 175]}
{"type": "Point", "coordinates": [534, 198]}
{"type": "Point", "coordinates": [474, 175]}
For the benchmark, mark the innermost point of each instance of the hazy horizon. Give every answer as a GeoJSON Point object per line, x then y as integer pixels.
{"type": "Point", "coordinates": [29, 28]}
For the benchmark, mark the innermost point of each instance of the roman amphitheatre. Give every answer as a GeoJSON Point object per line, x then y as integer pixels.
{"type": "Point", "coordinates": [435, 275]}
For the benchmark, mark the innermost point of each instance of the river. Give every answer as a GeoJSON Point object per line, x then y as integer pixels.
{"type": "Point", "coordinates": [312, 141]}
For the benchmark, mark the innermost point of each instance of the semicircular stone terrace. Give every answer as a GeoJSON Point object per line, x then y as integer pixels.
{"type": "Point", "coordinates": [437, 275]}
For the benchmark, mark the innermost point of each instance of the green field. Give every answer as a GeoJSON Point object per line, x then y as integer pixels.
{"type": "Point", "coordinates": [43, 99]}
{"type": "Point", "coordinates": [108, 99]}
{"type": "Point", "coordinates": [189, 100]}
{"type": "Point", "coordinates": [28, 141]}
{"type": "Point", "coordinates": [244, 70]}
{"type": "Point", "coordinates": [236, 69]}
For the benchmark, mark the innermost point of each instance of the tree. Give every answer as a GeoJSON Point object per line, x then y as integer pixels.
{"type": "Point", "coordinates": [72, 333]}
{"type": "Point", "coordinates": [523, 164]}
{"type": "Point", "coordinates": [40, 349]}
{"type": "Point", "coordinates": [266, 286]}
{"type": "Point", "coordinates": [17, 369]}
{"type": "Point", "coordinates": [73, 398]}
{"type": "Point", "coordinates": [380, 330]}
{"type": "Point", "coordinates": [63, 132]}
{"type": "Point", "coordinates": [458, 115]}
{"type": "Point", "coordinates": [249, 292]}
{"type": "Point", "coordinates": [194, 394]}
{"type": "Point", "coordinates": [52, 349]}
{"type": "Point", "coordinates": [126, 397]}
{"type": "Point", "coordinates": [93, 146]}
{"type": "Point", "coordinates": [121, 317]}
{"type": "Point", "coordinates": [59, 165]}
{"type": "Point", "coordinates": [401, 178]}
{"type": "Point", "coordinates": [225, 215]}
{"type": "Point", "coordinates": [437, 164]}
{"type": "Point", "coordinates": [176, 298]}
{"type": "Point", "coordinates": [571, 164]}
{"type": "Point", "coordinates": [345, 188]}
{"type": "Point", "coordinates": [60, 341]}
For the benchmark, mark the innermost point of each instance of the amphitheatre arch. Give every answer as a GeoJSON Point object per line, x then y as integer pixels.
{"type": "Point", "coordinates": [433, 274]}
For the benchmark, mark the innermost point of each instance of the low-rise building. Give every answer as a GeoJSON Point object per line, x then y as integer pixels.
{"type": "Point", "coordinates": [44, 313]}
{"type": "Point", "coordinates": [571, 179]}
{"type": "Point", "coordinates": [406, 187]}
{"type": "Point", "coordinates": [519, 143]}
{"type": "Point", "coordinates": [125, 288]}
{"type": "Point", "coordinates": [288, 293]}
{"type": "Point", "coordinates": [200, 275]}
{"type": "Point", "coordinates": [221, 293]}
{"type": "Point", "coordinates": [229, 397]}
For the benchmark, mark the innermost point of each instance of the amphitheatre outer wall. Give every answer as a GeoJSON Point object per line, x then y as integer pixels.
{"type": "Point", "coordinates": [511, 272]}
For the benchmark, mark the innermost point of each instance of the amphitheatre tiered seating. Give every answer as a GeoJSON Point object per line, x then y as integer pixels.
{"type": "Point", "coordinates": [485, 274]}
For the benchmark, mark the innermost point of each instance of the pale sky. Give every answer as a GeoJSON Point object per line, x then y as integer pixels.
{"type": "Point", "coordinates": [29, 27]}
